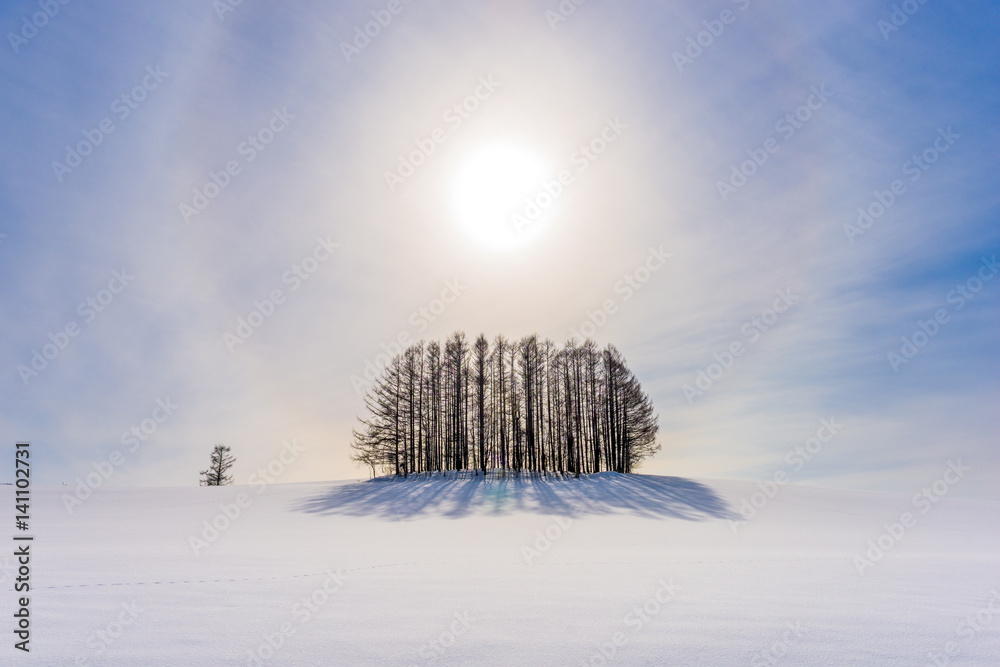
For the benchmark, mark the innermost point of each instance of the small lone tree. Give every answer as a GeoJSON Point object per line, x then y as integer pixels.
{"type": "Point", "coordinates": [222, 461]}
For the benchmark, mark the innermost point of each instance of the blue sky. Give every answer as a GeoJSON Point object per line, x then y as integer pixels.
{"type": "Point", "coordinates": [334, 126]}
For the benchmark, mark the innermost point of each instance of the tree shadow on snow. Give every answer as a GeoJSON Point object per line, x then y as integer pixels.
{"type": "Point", "coordinates": [463, 493]}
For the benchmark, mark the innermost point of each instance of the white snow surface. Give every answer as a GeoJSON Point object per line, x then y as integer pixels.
{"type": "Point", "coordinates": [459, 571]}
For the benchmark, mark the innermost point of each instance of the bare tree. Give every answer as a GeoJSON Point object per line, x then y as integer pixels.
{"type": "Point", "coordinates": [480, 362]}
{"type": "Point", "coordinates": [369, 456]}
{"type": "Point", "coordinates": [221, 462]}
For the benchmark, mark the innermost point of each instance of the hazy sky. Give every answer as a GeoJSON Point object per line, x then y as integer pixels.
{"type": "Point", "coordinates": [167, 167]}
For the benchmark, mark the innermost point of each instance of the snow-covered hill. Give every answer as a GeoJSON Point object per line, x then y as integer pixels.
{"type": "Point", "coordinates": [606, 569]}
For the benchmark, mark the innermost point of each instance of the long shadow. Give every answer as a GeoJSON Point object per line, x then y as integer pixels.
{"type": "Point", "coordinates": [459, 494]}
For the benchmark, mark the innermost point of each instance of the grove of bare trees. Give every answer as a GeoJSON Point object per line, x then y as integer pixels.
{"type": "Point", "coordinates": [518, 406]}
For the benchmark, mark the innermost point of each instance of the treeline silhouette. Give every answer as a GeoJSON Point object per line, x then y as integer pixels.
{"type": "Point", "coordinates": [519, 406]}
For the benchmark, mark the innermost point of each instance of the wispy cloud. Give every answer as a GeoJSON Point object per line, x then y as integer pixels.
{"type": "Point", "coordinates": [751, 88]}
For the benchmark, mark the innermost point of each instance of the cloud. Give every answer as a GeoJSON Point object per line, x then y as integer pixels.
{"type": "Point", "coordinates": [350, 121]}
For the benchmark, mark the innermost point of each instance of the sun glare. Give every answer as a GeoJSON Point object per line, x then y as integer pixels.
{"type": "Point", "coordinates": [493, 189]}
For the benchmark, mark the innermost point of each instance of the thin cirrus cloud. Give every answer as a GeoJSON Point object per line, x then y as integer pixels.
{"type": "Point", "coordinates": [655, 186]}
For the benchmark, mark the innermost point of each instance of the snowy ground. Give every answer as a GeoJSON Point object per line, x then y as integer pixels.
{"type": "Point", "coordinates": [649, 570]}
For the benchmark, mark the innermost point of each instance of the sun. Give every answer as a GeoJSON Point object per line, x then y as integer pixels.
{"type": "Point", "coordinates": [493, 189]}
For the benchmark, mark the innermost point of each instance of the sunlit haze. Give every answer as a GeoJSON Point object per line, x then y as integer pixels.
{"type": "Point", "coordinates": [242, 213]}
